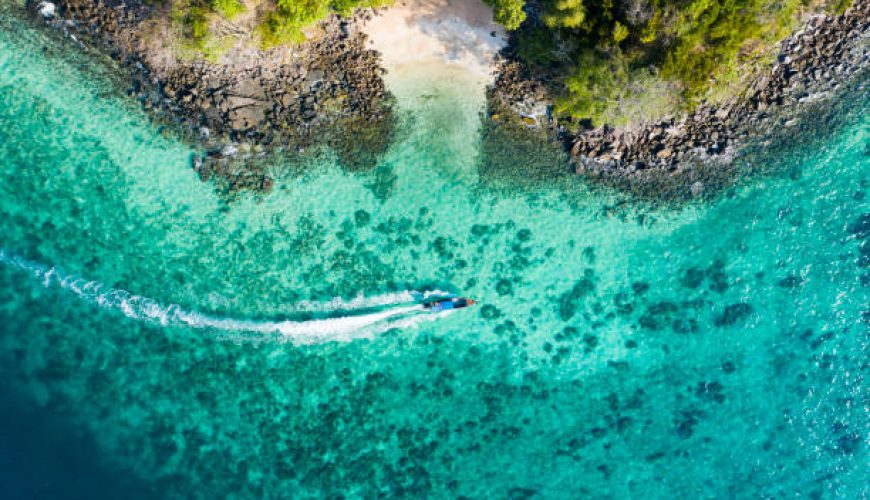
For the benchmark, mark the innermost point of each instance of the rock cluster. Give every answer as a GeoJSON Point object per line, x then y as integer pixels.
{"type": "Point", "coordinates": [332, 77]}
{"type": "Point", "coordinates": [265, 99]}
{"type": "Point", "coordinates": [517, 93]}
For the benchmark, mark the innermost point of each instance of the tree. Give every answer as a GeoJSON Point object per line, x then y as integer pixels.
{"type": "Point", "coordinates": [564, 13]}
{"type": "Point", "coordinates": [508, 13]}
{"type": "Point", "coordinates": [620, 32]}
{"type": "Point", "coordinates": [228, 8]}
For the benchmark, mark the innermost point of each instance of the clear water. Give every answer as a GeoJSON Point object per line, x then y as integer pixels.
{"type": "Point", "coordinates": [161, 342]}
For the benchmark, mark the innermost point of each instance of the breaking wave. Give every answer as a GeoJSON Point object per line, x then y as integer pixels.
{"type": "Point", "coordinates": [375, 314]}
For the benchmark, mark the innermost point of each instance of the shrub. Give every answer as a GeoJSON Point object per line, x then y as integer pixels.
{"type": "Point", "coordinates": [564, 13]}
{"type": "Point", "coordinates": [284, 25]}
{"type": "Point", "coordinates": [649, 32]}
{"type": "Point", "coordinates": [839, 6]}
{"type": "Point", "coordinates": [192, 19]}
{"type": "Point", "coordinates": [620, 32]}
{"type": "Point", "coordinates": [508, 13]}
{"type": "Point", "coordinates": [710, 36]}
{"type": "Point", "coordinates": [536, 46]}
{"type": "Point", "coordinates": [228, 8]}
{"type": "Point", "coordinates": [593, 86]}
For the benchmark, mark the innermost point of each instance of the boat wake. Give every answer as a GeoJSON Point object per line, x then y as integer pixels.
{"type": "Point", "coordinates": [360, 317]}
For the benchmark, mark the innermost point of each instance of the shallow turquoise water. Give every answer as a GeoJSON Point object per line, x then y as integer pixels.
{"type": "Point", "coordinates": [267, 347]}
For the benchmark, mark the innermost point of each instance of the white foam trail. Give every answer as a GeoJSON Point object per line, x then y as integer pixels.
{"type": "Point", "coordinates": [312, 331]}
{"type": "Point", "coordinates": [363, 302]}
{"type": "Point", "coordinates": [342, 328]}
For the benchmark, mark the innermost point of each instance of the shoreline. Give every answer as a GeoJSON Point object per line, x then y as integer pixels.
{"type": "Point", "coordinates": [341, 89]}
{"type": "Point", "coordinates": [693, 155]}
{"type": "Point", "coordinates": [440, 56]}
{"type": "Point", "coordinates": [326, 91]}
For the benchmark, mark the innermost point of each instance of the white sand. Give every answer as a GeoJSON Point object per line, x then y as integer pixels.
{"type": "Point", "coordinates": [439, 56]}
{"type": "Point", "coordinates": [453, 34]}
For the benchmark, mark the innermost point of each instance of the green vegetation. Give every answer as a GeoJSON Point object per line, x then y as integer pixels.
{"type": "Point", "coordinates": [620, 32]}
{"type": "Point", "coordinates": [228, 8]}
{"type": "Point", "coordinates": [671, 53]}
{"type": "Point", "coordinates": [192, 19]}
{"type": "Point", "coordinates": [285, 24]}
{"type": "Point", "coordinates": [593, 86]}
{"type": "Point", "coordinates": [564, 13]}
{"type": "Point", "coordinates": [508, 13]}
{"type": "Point", "coordinates": [712, 37]}
{"type": "Point", "coordinates": [840, 6]}
{"type": "Point", "coordinates": [282, 21]}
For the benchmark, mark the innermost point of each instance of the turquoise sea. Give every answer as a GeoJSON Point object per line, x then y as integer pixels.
{"type": "Point", "coordinates": [158, 340]}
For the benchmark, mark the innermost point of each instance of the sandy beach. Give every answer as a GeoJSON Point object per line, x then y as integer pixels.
{"type": "Point", "coordinates": [456, 34]}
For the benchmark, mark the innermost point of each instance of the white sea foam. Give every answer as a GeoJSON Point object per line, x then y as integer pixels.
{"type": "Point", "coordinates": [406, 312]}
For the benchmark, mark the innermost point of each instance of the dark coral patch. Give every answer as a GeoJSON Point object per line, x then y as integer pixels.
{"type": "Point", "coordinates": [692, 278]}
{"type": "Point", "coordinates": [733, 314]}
{"type": "Point", "coordinates": [685, 325]}
{"type": "Point", "coordinates": [568, 333]}
{"type": "Point", "coordinates": [710, 391]}
{"type": "Point", "coordinates": [623, 303]}
{"type": "Point", "coordinates": [848, 444]}
{"type": "Point", "coordinates": [489, 311]}
{"type": "Point", "coordinates": [361, 218]}
{"type": "Point", "coordinates": [861, 227]}
{"type": "Point", "coordinates": [503, 328]}
{"type": "Point", "coordinates": [570, 300]}
{"type": "Point", "coordinates": [657, 315]}
{"type": "Point", "coordinates": [718, 282]}
{"type": "Point", "coordinates": [591, 341]}
{"type": "Point", "coordinates": [864, 254]}
{"type": "Point", "coordinates": [791, 281]}
{"type": "Point", "coordinates": [504, 287]}
{"type": "Point", "coordinates": [686, 426]}
{"type": "Point", "coordinates": [479, 230]}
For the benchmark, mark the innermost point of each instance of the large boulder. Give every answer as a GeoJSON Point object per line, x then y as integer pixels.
{"type": "Point", "coordinates": [246, 117]}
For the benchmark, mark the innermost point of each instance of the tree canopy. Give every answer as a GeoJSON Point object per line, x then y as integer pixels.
{"type": "Point", "coordinates": [600, 48]}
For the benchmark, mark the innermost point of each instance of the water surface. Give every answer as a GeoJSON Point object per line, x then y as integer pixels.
{"type": "Point", "coordinates": [192, 345]}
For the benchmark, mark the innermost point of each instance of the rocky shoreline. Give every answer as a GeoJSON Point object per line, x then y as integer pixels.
{"type": "Point", "coordinates": [326, 91]}
{"type": "Point", "coordinates": [330, 91]}
{"type": "Point", "coordinates": [694, 155]}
